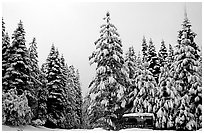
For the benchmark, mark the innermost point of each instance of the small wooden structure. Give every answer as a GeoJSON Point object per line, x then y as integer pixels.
{"type": "Point", "coordinates": [137, 120]}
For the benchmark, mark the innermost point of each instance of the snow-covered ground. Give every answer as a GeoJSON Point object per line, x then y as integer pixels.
{"type": "Point", "coordinates": [41, 128]}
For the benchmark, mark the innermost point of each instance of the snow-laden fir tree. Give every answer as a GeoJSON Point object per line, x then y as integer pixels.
{"type": "Point", "coordinates": [70, 97]}
{"type": "Point", "coordinates": [109, 84]}
{"type": "Point", "coordinates": [78, 97]}
{"type": "Point", "coordinates": [18, 73]}
{"type": "Point", "coordinates": [35, 75]}
{"type": "Point", "coordinates": [42, 95]}
{"type": "Point", "coordinates": [166, 100]}
{"type": "Point", "coordinates": [187, 80]}
{"type": "Point", "coordinates": [130, 62]}
{"type": "Point", "coordinates": [153, 61]}
{"type": "Point", "coordinates": [68, 103]}
{"type": "Point", "coordinates": [143, 96]}
{"type": "Point", "coordinates": [162, 54]}
{"type": "Point", "coordinates": [56, 100]}
{"type": "Point", "coordinates": [5, 56]}
{"type": "Point", "coordinates": [75, 96]}
{"type": "Point", "coordinates": [144, 50]}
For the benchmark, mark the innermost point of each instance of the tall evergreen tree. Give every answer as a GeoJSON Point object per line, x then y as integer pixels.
{"type": "Point", "coordinates": [143, 96]}
{"type": "Point", "coordinates": [42, 95]}
{"type": "Point", "coordinates": [109, 84]}
{"type": "Point", "coordinates": [56, 96]}
{"type": "Point", "coordinates": [78, 98]}
{"type": "Point", "coordinates": [18, 73]}
{"type": "Point", "coordinates": [166, 100]}
{"type": "Point", "coordinates": [130, 62]}
{"type": "Point", "coordinates": [162, 54]}
{"type": "Point", "coordinates": [71, 115]}
{"type": "Point", "coordinates": [187, 80]}
{"type": "Point", "coordinates": [75, 96]}
{"type": "Point", "coordinates": [152, 59]}
{"type": "Point", "coordinates": [35, 75]}
{"type": "Point", "coordinates": [5, 56]}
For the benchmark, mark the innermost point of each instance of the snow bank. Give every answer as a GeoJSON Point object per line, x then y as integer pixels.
{"type": "Point", "coordinates": [26, 128]}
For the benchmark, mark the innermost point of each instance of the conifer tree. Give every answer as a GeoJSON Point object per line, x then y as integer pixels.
{"type": "Point", "coordinates": [110, 81]}
{"type": "Point", "coordinates": [18, 74]}
{"type": "Point", "coordinates": [166, 100]}
{"type": "Point", "coordinates": [144, 50]}
{"type": "Point", "coordinates": [42, 95]}
{"type": "Point", "coordinates": [152, 59]}
{"type": "Point", "coordinates": [162, 54]}
{"type": "Point", "coordinates": [35, 75]}
{"type": "Point", "coordinates": [75, 97]}
{"type": "Point", "coordinates": [187, 80]}
{"type": "Point", "coordinates": [78, 98]}
{"type": "Point", "coordinates": [56, 96]}
{"type": "Point", "coordinates": [5, 56]}
{"type": "Point", "coordinates": [130, 62]}
{"type": "Point", "coordinates": [143, 96]}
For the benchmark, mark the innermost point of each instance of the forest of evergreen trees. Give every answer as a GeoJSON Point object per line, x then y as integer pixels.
{"type": "Point", "coordinates": [49, 95]}
{"type": "Point", "coordinates": [167, 83]}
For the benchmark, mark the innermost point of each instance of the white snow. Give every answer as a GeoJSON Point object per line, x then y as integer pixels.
{"type": "Point", "coordinates": [138, 114]}
{"type": "Point", "coordinates": [41, 128]}
{"type": "Point", "coordinates": [26, 128]}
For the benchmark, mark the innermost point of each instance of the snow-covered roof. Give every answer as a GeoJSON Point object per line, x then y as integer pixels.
{"type": "Point", "coordinates": [138, 114]}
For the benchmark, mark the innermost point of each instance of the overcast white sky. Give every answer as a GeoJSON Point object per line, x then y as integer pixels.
{"type": "Point", "coordinates": [73, 27]}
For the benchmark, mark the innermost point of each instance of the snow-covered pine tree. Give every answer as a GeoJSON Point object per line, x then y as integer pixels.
{"type": "Point", "coordinates": [111, 77]}
{"type": "Point", "coordinates": [188, 81]}
{"type": "Point", "coordinates": [170, 57]}
{"type": "Point", "coordinates": [143, 96]}
{"type": "Point", "coordinates": [166, 99]}
{"type": "Point", "coordinates": [64, 75]}
{"type": "Point", "coordinates": [144, 50]}
{"type": "Point", "coordinates": [153, 61]}
{"type": "Point", "coordinates": [17, 75]}
{"type": "Point", "coordinates": [56, 100]}
{"type": "Point", "coordinates": [34, 74]}
{"type": "Point", "coordinates": [75, 96]}
{"type": "Point", "coordinates": [162, 54]}
{"type": "Point", "coordinates": [70, 95]}
{"type": "Point", "coordinates": [5, 56]}
{"type": "Point", "coordinates": [78, 97]}
{"type": "Point", "coordinates": [42, 95]}
{"type": "Point", "coordinates": [130, 62]}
